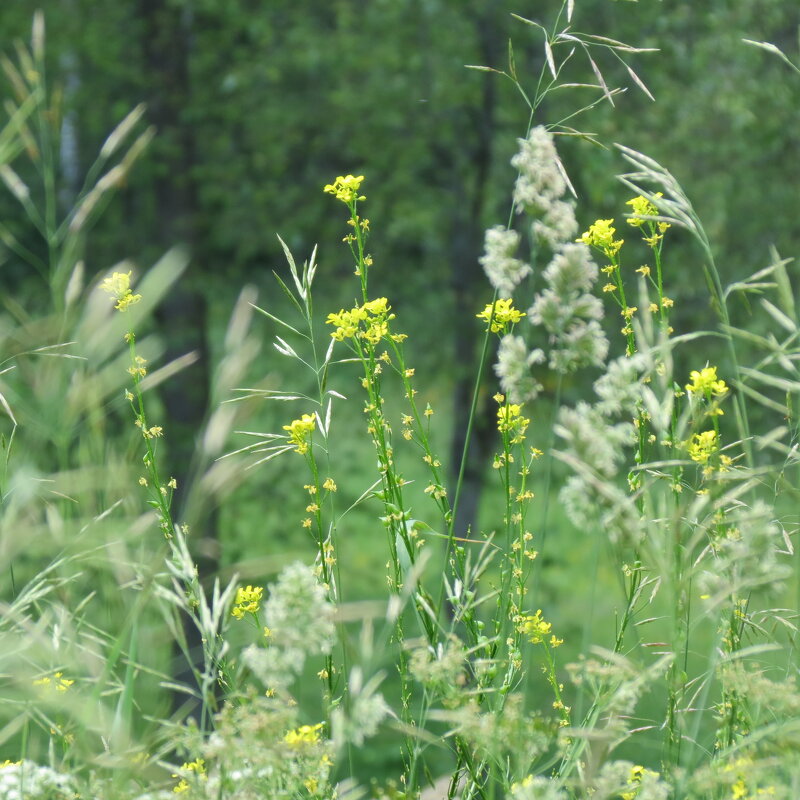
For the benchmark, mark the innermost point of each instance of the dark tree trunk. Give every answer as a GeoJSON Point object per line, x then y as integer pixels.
{"type": "Point", "coordinates": [469, 287]}
{"type": "Point", "coordinates": [166, 48]}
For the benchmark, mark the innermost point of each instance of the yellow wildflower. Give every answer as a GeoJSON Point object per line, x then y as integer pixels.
{"type": "Point", "coordinates": [197, 766]}
{"type": "Point", "coordinates": [300, 432]}
{"type": "Point", "coordinates": [504, 314]}
{"type": "Point", "coordinates": [305, 734]}
{"type": "Point", "coordinates": [702, 446]}
{"type": "Point", "coordinates": [138, 369]}
{"type": "Point", "coordinates": [119, 287]}
{"type": "Point", "coordinates": [601, 236]}
{"type": "Point", "coordinates": [635, 779]}
{"type": "Point", "coordinates": [705, 382]}
{"type": "Point", "coordinates": [345, 188]}
{"type": "Point", "coordinates": [511, 421]}
{"type": "Point", "coordinates": [642, 207]}
{"type": "Point", "coordinates": [375, 314]}
{"type": "Point", "coordinates": [534, 627]}
{"type": "Point", "coordinates": [247, 601]}
{"type": "Point", "coordinates": [57, 682]}
{"type": "Point", "coordinates": [652, 241]}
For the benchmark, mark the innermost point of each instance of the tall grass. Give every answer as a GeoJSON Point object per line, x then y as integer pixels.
{"type": "Point", "coordinates": [672, 676]}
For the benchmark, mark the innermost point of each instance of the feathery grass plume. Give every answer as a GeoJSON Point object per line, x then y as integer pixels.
{"type": "Point", "coordinates": [506, 732]}
{"type": "Point", "coordinates": [259, 749]}
{"type": "Point", "coordinates": [746, 772]}
{"type": "Point", "coordinates": [623, 780]}
{"type": "Point", "coordinates": [569, 313]}
{"type": "Point", "coordinates": [769, 699]}
{"type": "Point", "coordinates": [619, 388]}
{"type": "Point", "coordinates": [441, 670]}
{"type": "Point", "coordinates": [539, 188]}
{"type": "Point", "coordinates": [298, 612]}
{"type": "Point", "coordinates": [745, 543]}
{"type": "Point", "coordinates": [366, 709]}
{"type": "Point", "coordinates": [537, 788]}
{"type": "Point", "coordinates": [613, 684]}
{"type": "Point", "coordinates": [590, 437]}
{"type": "Point", "coordinates": [504, 271]}
{"type": "Point", "coordinates": [593, 503]}
{"type": "Point", "coordinates": [513, 368]}
{"type": "Point", "coordinates": [300, 620]}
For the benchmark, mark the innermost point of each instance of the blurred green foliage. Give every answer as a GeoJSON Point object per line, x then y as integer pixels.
{"type": "Point", "coordinates": [259, 104]}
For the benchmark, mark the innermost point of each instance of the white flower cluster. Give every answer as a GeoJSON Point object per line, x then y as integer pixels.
{"type": "Point", "coordinates": [504, 271]}
{"type": "Point", "coordinates": [540, 188]}
{"type": "Point", "coordinates": [29, 781]}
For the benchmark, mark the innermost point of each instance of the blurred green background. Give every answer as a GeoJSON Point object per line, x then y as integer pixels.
{"type": "Point", "coordinates": [258, 104]}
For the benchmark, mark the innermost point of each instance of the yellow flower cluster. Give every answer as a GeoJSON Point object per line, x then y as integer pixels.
{"type": "Point", "coordinates": [634, 780]}
{"type": "Point", "coordinates": [702, 446]}
{"type": "Point", "coordinates": [536, 629]}
{"type": "Point", "coordinates": [345, 188]}
{"type": "Point", "coordinates": [504, 315]}
{"type": "Point", "coordinates": [511, 421]}
{"type": "Point", "coordinates": [57, 682]}
{"type": "Point", "coordinates": [119, 287]}
{"type": "Point", "coordinates": [305, 734]}
{"type": "Point", "coordinates": [705, 383]}
{"type": "Point", "coordinates": [601, 236]}
{"type": "Point", "coordinates": [137, 370]}
{"type": "Point", "coordinates": [300, 432]}
{"type": "Point", "coordinates": [641, 207]}
{"type": "Point", "coordinates": [197, 766]}
{"type": "Point", "coordinates": [375, 316]}
{"type": "Point", "coordinates": [247, 601]}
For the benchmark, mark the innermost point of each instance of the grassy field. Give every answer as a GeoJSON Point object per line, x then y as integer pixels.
{"type": "Point", "coordinates": [301, 615]}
